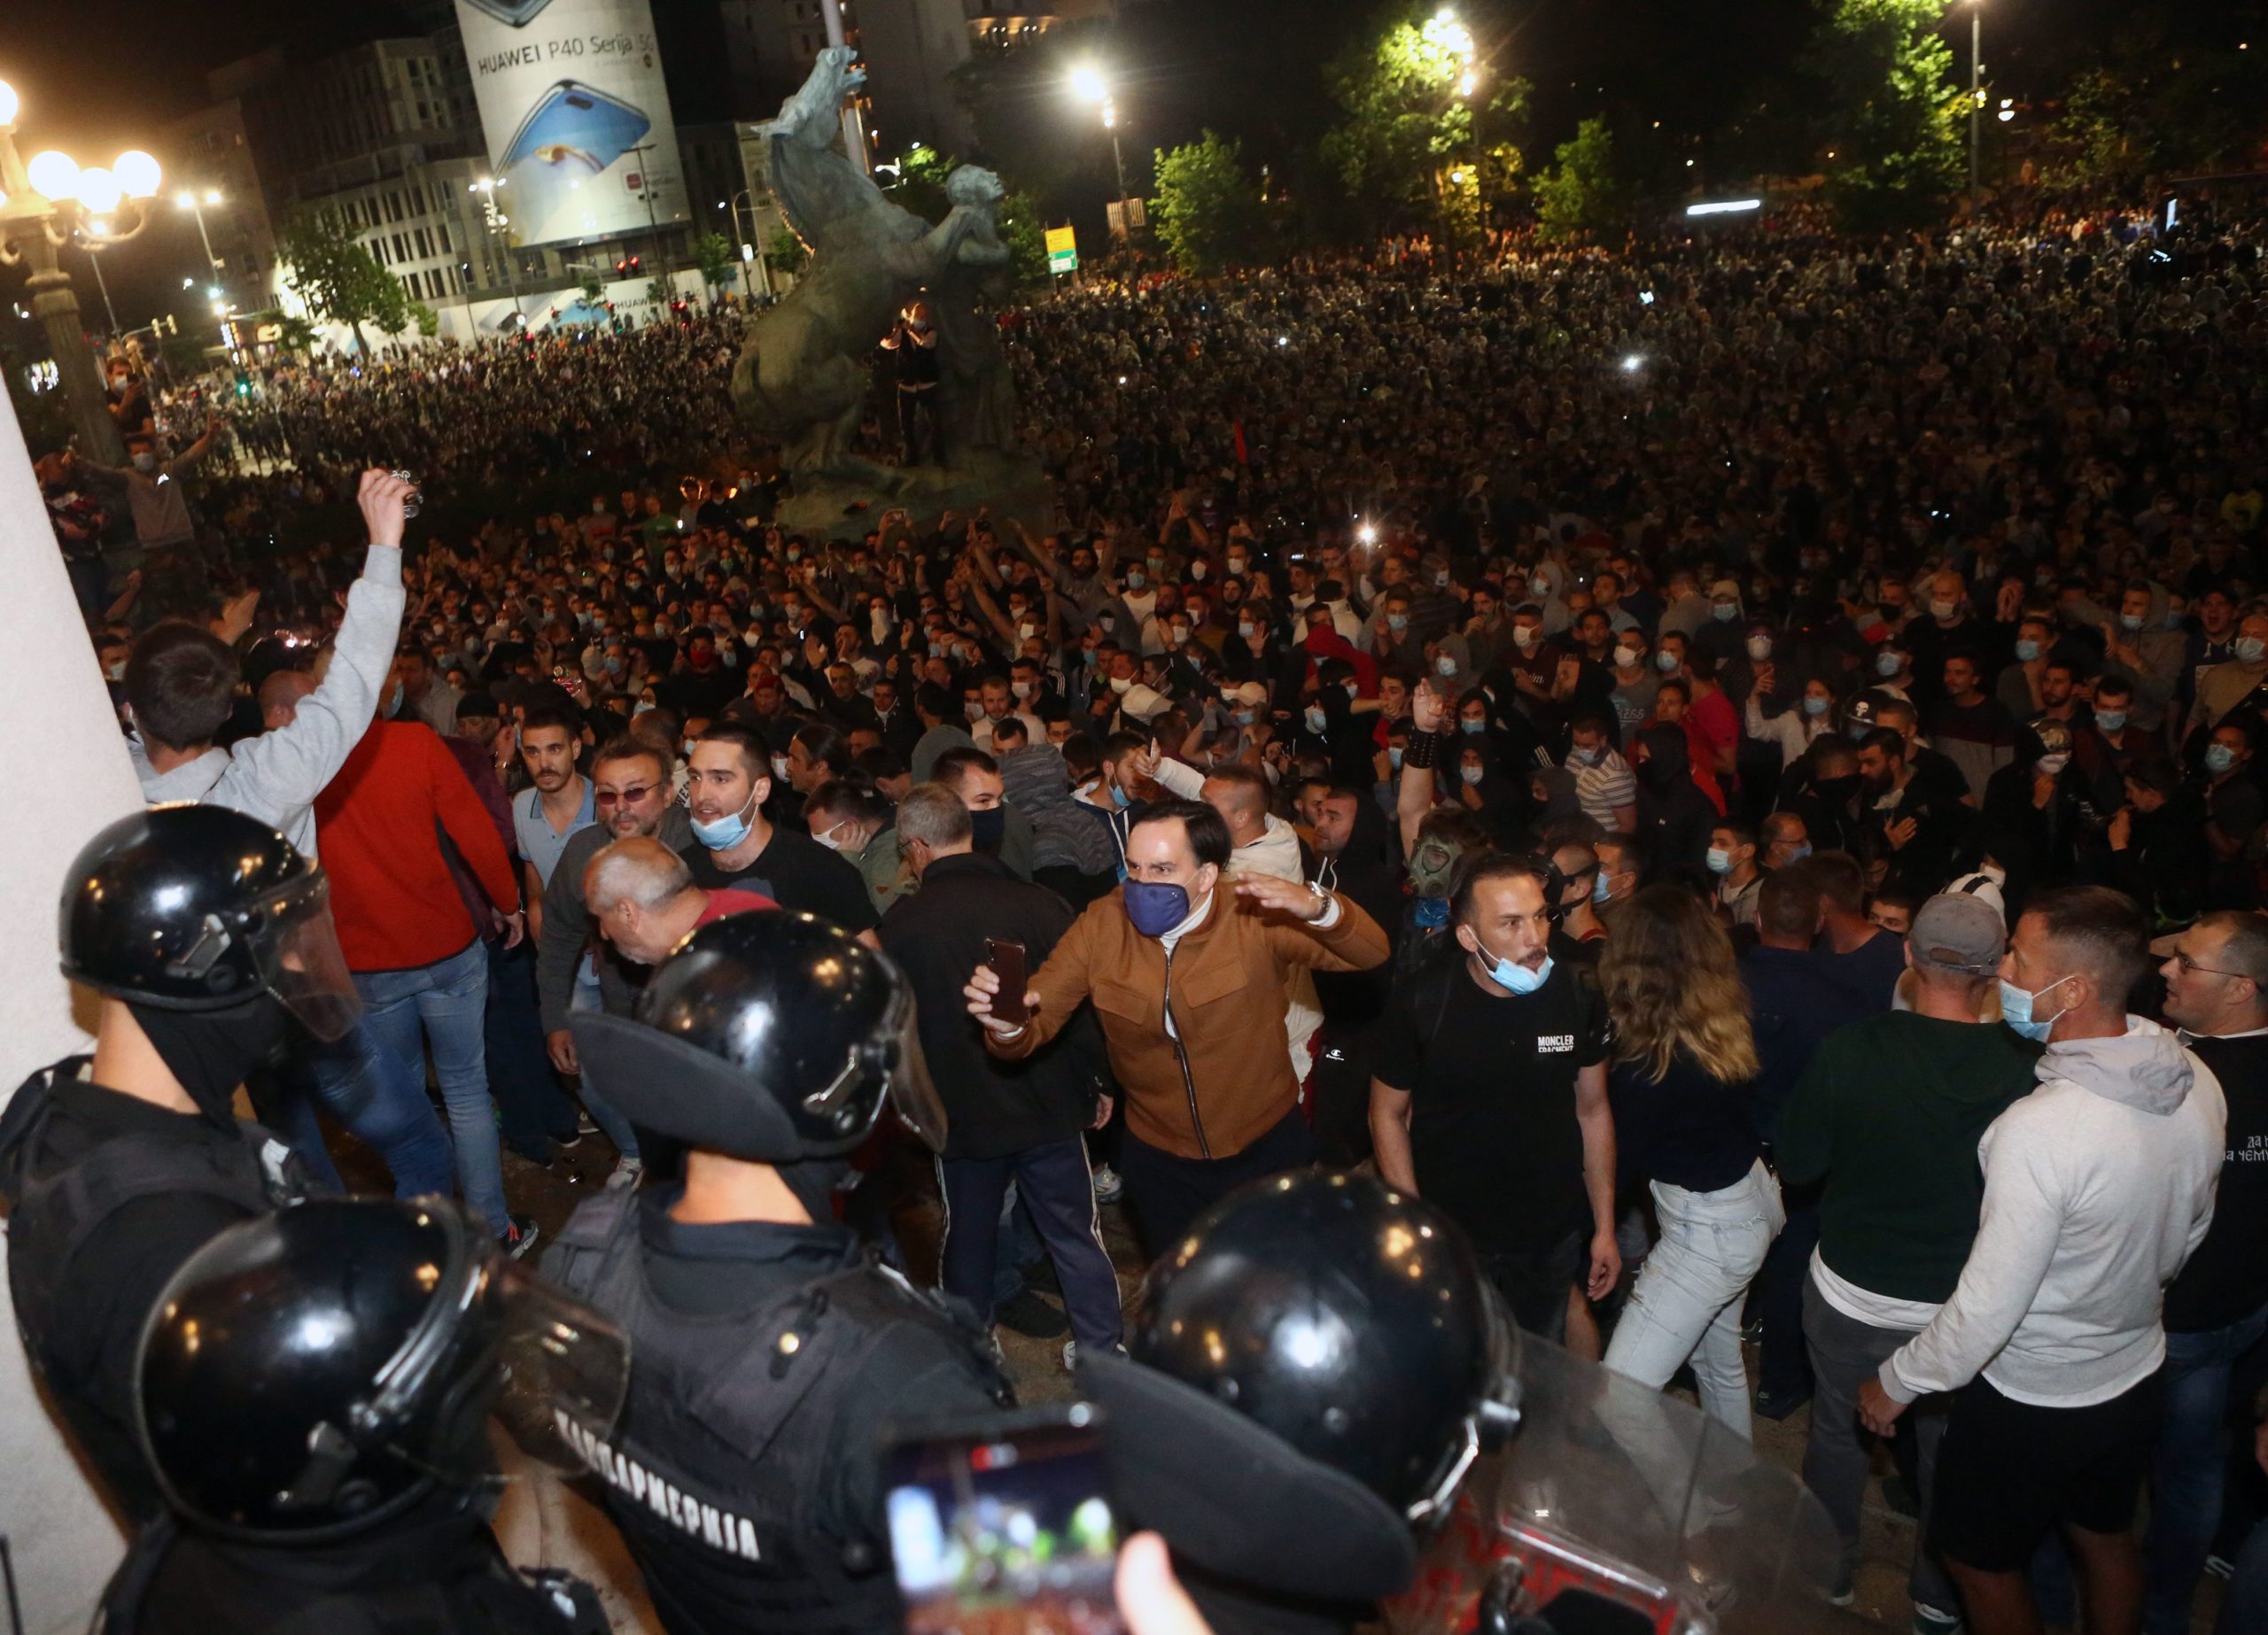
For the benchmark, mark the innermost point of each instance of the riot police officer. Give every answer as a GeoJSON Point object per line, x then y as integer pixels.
{"type": "Point", "coordinates": [313, 1397]}
{"type": "Point", "coordinates": [1318, 1365]}
{"type": "Point", "coordinates": [209, 938]}
{"type": "Point", "coordinates": [771, 1356]}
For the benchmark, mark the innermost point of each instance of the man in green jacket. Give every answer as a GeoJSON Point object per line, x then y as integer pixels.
{"type": "Point", "coordinates": [1889, 1115]}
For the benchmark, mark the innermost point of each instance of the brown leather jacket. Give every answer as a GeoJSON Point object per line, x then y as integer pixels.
{"type": "Point", "coordinates": [1226, 1079]}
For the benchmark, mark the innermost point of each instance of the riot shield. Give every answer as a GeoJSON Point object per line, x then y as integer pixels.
{"type": "Point", "coordinates": [1617, 1510]}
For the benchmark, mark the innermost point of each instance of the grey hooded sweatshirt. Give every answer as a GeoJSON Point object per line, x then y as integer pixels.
{"type": "Point", "coordinates": [2098, 1186]}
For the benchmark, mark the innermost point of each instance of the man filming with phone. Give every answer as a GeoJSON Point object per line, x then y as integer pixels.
{"type": "Point", "coordinates": [1010, 1121]}
{"type": "Point", "coordinates": [1188, 982]}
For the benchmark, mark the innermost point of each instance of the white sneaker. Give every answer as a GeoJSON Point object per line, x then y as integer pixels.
{"type": "Point", "coordinates": [625, 1175]}
{"type": "Point", "coordinates": [1107, 1185]}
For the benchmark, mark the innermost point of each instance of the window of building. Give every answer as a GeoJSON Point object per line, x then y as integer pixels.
{"type": "Point", "coordinates": [400, 248]}
{"type": "Point", "coordinates": [424, 245]}
{"type": "Point", "coordinates": [441, 237]}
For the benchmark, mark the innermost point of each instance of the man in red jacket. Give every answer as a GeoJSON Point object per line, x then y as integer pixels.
{"type": "Point", "coordinates": [418, 959]}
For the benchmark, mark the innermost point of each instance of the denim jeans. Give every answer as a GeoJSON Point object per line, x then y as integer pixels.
{"type": "Point", "coordinates": [618, 1128]}
{"type": "Point", "coordinates": [385, 1109]}
{"type": "Point", "coordinates": [534, 1111]}
{"type": "Point", "coordinates": [443, 1004]}
{"type": "Point", "coordinates": [1845, 1354]}
{"type": "Point", "coordinates": [1059, 1193]}
{"type": "Point", "coordinates": [1687, 1300]}
{"type": "Point", "coordinates": [2186, 1467]}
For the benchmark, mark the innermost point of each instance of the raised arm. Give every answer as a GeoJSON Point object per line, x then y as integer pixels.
{"type": "Point", "coordinates": [294, 763]}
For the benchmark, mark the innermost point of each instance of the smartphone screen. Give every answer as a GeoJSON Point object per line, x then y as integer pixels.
{"type": "Point", "coordinates": [1005, 1531]}
{"type": "Point", "coordinates": [1008, 962]}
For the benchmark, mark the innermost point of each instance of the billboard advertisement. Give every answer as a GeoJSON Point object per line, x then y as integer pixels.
{"type": "Point", "coordinates": [576, 116]}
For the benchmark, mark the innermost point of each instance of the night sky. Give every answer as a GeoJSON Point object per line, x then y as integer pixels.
{"type": "Point", "coordinates": [97, 76]}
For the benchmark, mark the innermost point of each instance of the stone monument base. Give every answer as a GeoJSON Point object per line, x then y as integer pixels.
{"type": "Point", "coordinates": [843, 508]}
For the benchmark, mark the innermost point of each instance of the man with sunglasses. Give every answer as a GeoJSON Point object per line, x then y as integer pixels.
{"type": "Point", "coordinates": [630, 796]}
{"type": "Point", "coordinates": [2217, 1309]}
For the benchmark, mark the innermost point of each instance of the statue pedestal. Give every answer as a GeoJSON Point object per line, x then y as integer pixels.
{"type": "Point", "coordinates": [1010, 486]}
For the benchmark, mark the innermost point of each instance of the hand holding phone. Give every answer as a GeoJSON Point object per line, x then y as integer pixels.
{"type": "Point", "coordinates": [1008, 962]}
{"type": "Point", "coordinates": [1006, 1526]}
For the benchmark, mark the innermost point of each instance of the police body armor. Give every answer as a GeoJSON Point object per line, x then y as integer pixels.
{"type": "Point", "coordinates": [52, 1217]}
{"type": "Point", "coordinates": [717, 1470]}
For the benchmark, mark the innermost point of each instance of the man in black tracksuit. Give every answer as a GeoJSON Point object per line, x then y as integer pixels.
{"type": "Point", "coordinates": [1020, 1122]}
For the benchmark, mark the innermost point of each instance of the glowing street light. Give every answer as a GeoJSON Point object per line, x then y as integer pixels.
{"type": "Point", "coordinates": [1088, 86]}
{"type": "Point", "coordinates": [51, 203]}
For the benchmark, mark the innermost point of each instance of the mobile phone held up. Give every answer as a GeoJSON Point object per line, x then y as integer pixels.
{"type": "Point", "coordinates": [1008, 962]}
{"type": "Point", "coordinates": [1004, 1527]}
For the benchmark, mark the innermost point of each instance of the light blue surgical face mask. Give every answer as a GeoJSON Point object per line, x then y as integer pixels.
{"type": "Point", "coordinates": [393, 704]}
{"type": "Point", "coordinates": [1473, 726]}
{"type": "Point", "coordinates": [2110, 720]}
{"type": "Point", "coordinates": [1519, 978]}
{"type": "Point", "coordinates": [1665, 661]}
{"type": "Point", "coordinates": [2219, 757]}
{"type": "Point", "coordinates": [1394, 757]}
{"type": "Point", "coordinates": [1889, 663]}
{"type": "Point", "coordinates": [1599, 893]}
{"type": "Point", "coordinates": [2027, 650]}
{"type": "Point", "coordinates": [2017, 1009]}
{"type": "Point", "coordinates": [724, 833]}
{"type": "Point", "coordinates": [1724, 612]}
{"type": "Point", "coordinates": [2130, 620]}
{"type": "Point", "coordinates": [1317, 720]}
{"type": "Point", "coordinates": [1720, 861]}
{"type": "Point", "coordinates": [1813, 706]}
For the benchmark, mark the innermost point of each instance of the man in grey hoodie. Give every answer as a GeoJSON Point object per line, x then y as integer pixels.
{"type": "Point", "coordinates": [2098, 1186]}
{"type": "Point", "coordinates": [181, 684]}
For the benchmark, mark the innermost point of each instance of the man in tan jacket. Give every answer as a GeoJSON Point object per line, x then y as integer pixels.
{"type": "Point", "coordinates": [1188, 982]}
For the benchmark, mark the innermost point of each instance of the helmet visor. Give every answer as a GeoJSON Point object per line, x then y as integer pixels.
{"type": "Point", "coordinates": [310, 978]}
{"type": "Point", "coordinates": [913, 1093]}
{"type": "Point", "coordinates": [562, 1368]}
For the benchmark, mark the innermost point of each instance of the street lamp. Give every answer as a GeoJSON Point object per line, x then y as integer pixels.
{"type": "Point", "coordinates": [1088, 85]}
{"type": "Point", "coordinates": [188, 200]}
{"type": "Point", "coordinates": [51, 203]}
{"type": "Point", "coordinates": [1976, 88]}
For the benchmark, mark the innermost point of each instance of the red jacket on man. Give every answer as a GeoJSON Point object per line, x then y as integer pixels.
{"type": "Point", "coordinates": [379, 824]}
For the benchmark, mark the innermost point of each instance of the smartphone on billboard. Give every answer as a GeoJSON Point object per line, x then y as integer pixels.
{"type": "Point", "coordinates": [518, 14]}
{"type": "Point", "coordinates": [1008, 962]}
{"type": "Point", "coordinates": [574, 124]}
{"type": "Point", "coordinates": [1005, 1527]}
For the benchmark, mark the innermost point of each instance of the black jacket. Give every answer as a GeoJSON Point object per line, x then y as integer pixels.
{"type": "Point", "coordinates": [937, 936]}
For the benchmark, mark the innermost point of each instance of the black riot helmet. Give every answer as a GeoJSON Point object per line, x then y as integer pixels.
{"type": "Point", "coordinates": [1325, 1335]}
{"type": "Point", "coordinates": [771, 1036]}
{"type": "Point", "coordinates": [190, 908]}
{"type": "Point", "coordinates": [318, 1371]}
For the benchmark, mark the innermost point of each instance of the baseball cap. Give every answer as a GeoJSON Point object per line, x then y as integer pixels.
{"type": "Point", "coordinates": [1251, 694]}
{"type": "Point", "coordinates": [1958, 932]}
{"type": "Point", "coordinates": [1725, 587]}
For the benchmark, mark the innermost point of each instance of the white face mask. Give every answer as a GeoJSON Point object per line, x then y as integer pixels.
{"type": "Point", "coordinates": [1625, 658]}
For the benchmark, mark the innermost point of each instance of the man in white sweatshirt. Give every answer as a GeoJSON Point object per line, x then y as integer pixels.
{"type": "Point", "coordinates": [2097, 1187]}
{"type": "Point", "coordinates": [181, 682]}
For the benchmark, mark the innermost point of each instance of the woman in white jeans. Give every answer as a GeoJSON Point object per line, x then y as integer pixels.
{"type": "Point", "coordinates": [1683, 1059]}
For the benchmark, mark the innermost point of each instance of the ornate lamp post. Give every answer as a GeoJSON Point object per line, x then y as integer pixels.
{"type": "Point", "coordinates": [44, 205]}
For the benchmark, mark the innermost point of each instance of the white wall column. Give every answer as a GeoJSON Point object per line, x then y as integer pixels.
{"type": "Point", "coordinates": [63, 737]}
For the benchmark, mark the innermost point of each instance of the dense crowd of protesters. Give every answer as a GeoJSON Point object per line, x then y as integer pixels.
{"type": "Point", "coordinates": [1690, 677]}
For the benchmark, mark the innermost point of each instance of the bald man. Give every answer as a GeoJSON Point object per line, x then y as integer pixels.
{"type": "Point", "coordinates": [644, 899]}
{"type": "Point", "coordinates": [279, 698]}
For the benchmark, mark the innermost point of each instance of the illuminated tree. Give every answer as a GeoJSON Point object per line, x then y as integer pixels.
{"type": "Point", "coordinates": [1427, 137]}
{"type": "Point", "coordinates": [1895, 116]}
{"type": "Point", "coordinates": [1582, 195]}
{"type": "Point", "coordinates": [1206, 209]}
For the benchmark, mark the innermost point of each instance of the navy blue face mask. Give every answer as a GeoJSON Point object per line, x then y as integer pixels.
{"type": "Point", "coordinates": [985, 827]}
{"type": "Point", "coordinates": [1155, 907]}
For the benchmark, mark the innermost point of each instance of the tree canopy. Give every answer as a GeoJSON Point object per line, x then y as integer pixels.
{"type": "Point", "coordinates": [1207, 209]}
{"type": "Point", "coordinates": [1894, 116]}
{"type": "Point", "coordinates": [339, 279]}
